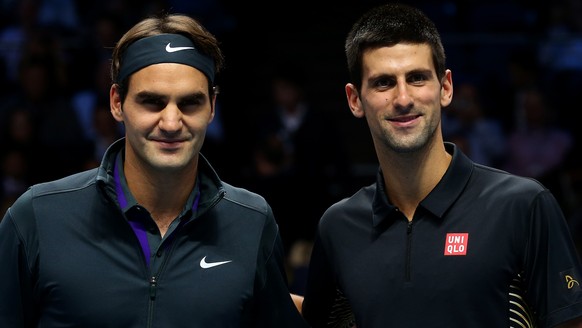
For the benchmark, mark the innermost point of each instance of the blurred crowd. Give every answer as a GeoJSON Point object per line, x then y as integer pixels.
{"type": "Point", "coordinates": [282, 126]}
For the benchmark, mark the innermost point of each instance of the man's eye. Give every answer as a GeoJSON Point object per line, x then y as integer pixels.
{"type": "Point", "coordinates": [190, 103]}
{"type": "Point", "coordinates": [417, 78]}
{"type": "Point", "coordinates": [153, 102]}
{"type": "Point", "coordinates": [384, 83]}
{"type": "Point", "coordinates": [191, 106]}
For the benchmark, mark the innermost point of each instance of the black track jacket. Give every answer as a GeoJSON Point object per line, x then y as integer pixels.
{"type": "Point", "coordinates": [69, 258]}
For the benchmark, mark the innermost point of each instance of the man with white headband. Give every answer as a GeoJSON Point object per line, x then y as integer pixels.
{"type": "Point", "coordinates": [152, 237]}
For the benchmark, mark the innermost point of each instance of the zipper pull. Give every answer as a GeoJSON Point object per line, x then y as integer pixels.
{"type": "Point", "coordinates": [153, 285]}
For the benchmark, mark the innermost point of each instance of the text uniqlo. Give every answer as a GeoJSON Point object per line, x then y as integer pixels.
{"type": "Point", "coordinates": [456, 243]}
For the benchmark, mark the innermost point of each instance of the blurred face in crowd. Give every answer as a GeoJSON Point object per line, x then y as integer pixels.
{"type": "Point", "coordinates": [165, 114]}
{"type": "Point", "coordinates": [401, 96]}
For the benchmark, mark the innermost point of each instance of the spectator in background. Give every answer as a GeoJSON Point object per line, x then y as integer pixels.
{"type": "Point", "coordinates": [59, 133]}
{"type": "Point", "coordinates": [20, 30]}
{"type": "Point", "coordinates": [85, 102]}
{"type": "Point", "coordinates": [18, 154]}
{"type": "Point", "coordinates": [60, 15]}
{"type": "Point", "coordinates": [106, 131]}
{"type": "Point", "coordinates": [299, 161]}
{"type": "Point", "coordinates": [18, 130]}
{"type": "Point", "coordinates": [560, 54]}
{"type": "Point", "coordinates": [14, 173]}
{"type": "Point", "coordinates": [465, 123]}
{"type": "Point", "coordinates": [539, 147]}
{"type": "Point", "coordinates": [561, 47]}
{"type": "Point", "coordinates": [41, 90]}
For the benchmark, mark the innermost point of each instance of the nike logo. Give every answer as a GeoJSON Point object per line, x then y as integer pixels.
{"type": "Point", "coordinates": [169, 48]}
{"type": "Point", "coordinates": [206, 265]}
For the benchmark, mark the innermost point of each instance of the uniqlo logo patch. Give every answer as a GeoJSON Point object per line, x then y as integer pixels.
{"type": "Point", "coordinates": [456, 244]}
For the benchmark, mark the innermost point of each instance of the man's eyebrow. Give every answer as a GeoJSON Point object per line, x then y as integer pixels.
{"type": "Point", "coordinates": [194, 96]}
{"type": "Point", "coordinates": [420, 71]}
{"type": "Point", "coordinates": [144, 95]}
{"type": "Point", "coordinates": [381, 76]}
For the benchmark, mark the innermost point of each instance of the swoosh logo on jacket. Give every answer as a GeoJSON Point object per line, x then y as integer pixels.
{"type": "Point", "coordinates": [206, 265]}
{"type": "Point", "coordinates": [169, 48]}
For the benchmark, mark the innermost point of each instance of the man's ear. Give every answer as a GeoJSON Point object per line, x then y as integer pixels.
{"type": "Point", "coordinates": [212, 108]}
{"type": "Point", "coordinates": [354, 100]}
{"type": "Point", "coordinates": [447, 89]}
{"type": "Point", "coordinates": [115, 103]}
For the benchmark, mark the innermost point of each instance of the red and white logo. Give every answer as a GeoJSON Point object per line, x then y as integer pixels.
{"type": "Point", "coordinates": [456, 244]}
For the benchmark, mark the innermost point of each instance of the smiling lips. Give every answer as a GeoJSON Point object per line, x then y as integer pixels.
{"type": "Point", "coordinates": [170, 144]}
{"type": "Point", "coordinates": [404, 120]}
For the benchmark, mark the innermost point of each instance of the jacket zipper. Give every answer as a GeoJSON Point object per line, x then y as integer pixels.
{"type": "Point", "coordinates": [154, 279]}
{"type": "Point", "coordinates": [153, 289]}
{"type": "Point", "coordinates": [408, 250]}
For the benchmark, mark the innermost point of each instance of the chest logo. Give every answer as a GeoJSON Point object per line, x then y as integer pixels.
{"type": "Point", "coordinates": [206, 265]}
{"type": "Point", "coordinates": [456, 244]}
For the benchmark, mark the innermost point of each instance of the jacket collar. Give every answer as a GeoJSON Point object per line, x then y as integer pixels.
{"type": "Point", "coordinates": [211, 187]}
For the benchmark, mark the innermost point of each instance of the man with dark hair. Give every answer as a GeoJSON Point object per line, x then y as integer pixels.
{"type": "Point", "coordinates": [438, 240]}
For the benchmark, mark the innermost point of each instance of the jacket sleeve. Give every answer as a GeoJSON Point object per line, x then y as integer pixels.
{"type": "Point", "coordinates": [18, 251]}
{"type": "Point", "coordinates": [274, 305]}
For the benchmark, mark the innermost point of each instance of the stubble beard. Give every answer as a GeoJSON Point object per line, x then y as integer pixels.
{"type": "Point", "coordinates": [410, 143]}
